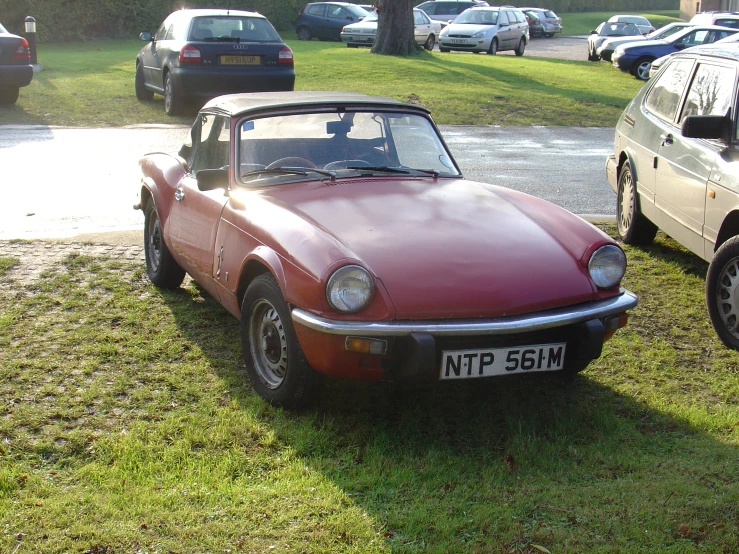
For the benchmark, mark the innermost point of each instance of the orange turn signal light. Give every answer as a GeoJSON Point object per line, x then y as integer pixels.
{"type": "Point", "coordinates": [365, 345]}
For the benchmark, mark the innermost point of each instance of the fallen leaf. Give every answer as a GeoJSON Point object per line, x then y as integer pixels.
{"type": "Point", "coordinates": [510, 463]}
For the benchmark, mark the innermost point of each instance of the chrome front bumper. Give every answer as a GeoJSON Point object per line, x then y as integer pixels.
{"type": "Point", "coordinates": [560, 317]}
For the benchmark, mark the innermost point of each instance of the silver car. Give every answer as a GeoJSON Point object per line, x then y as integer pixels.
{"type": "Point", "coordinates": [675, 166]}
{"type": "Point", "coordinates": [487, 29]}
{"type": "Point", "coordinates": [363, 32]}
{"type": "Point", "coordinates": [606, 30]}
{"type": "Point", "coordinates": [642, 22]}
{"type": "Point", "coordinates": [550, 22]}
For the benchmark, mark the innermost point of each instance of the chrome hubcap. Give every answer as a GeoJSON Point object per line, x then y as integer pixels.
{"type": "Point", "coordinates": [268, 343]}
{"type": "Point", "coordinates": [625, 203]}
{"type": "Point", "coordinates": [167, 95]}
{"type": "Point", "coordinates": [727, 293]}
{"type": "Point", "coordinates": [643, 70]}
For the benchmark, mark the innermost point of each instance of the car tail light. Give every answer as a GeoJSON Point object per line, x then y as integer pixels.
{"type": "Point", "coordinates": [285, 56]}
{"type": "Point", "coordinates": [22, 52]}
{"type": "Point", "coordinates": [190, 54]}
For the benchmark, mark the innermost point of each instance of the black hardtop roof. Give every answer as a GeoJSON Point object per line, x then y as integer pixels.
{"type": "Point", "coordinates": [253, 102]}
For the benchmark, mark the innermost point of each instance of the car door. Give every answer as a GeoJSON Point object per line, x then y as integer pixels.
{"type": "Point", "coordinates": [336, 18]}
{"type": "Point", "coordinates": [151, 56]}
{"type": "Point", "coordinates": [422, 26]}
{"type": "Point", "coordinates": [684, 164]}
{"type": "Point", "coordinates": [505, 33]}
{"type": "Point", "coordinates": [195, 214]}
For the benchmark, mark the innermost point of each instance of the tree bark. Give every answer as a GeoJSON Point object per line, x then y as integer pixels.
{"type": "Point", "coordinates": [395, 33]}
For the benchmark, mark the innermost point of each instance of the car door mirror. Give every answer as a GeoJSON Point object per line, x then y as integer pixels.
{"type": "Point", "coordinates": [145, 36]}
{"type": "Point", "coordinates": [680, 46]}
{"type": "Point", "coordinates": [212, 179]}
{"type": "Point", "coordinates": [593, 32]}
{"type": "Point", "coordinates": [716, 127]}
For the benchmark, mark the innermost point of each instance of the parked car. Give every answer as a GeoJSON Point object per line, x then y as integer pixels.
{"type": "Point", "coordinates": [606, 30]}
{"type": "Point", "coordinates": [486, 29]}
{"type": "Point", "coordinates": [674, 167]}
{"type": "Point", "coordinates": [637, 58]}
{"type": "Point", "coordinates": [203, 53]}
{"type": "Point", "coordinates": [722, 19]}
{"type": "Point", "coordinates": [549, 20]}
{"type": "Point", "coordinates": [645, 27]}
{"type": "Point", "coordinates": [445, 11]}
{"type": "Point", "coordinates": [340, 231]}
{"type": "Point", "coordinates": [363, 33]}
{"type": "Point", "coordinates": [15, 66]}
{"type": "Point", "coordinates": [324, 20]}
{"type": "Point", "coordinates": [536, 29]}
{"type": "Point", "coordinates": [605, 51]}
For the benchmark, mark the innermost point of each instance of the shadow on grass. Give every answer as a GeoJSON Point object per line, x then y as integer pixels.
{"type": "Point", "coordinates": [502, 462]}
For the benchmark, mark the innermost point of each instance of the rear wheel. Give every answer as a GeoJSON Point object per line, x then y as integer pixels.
{"type": "Point", "coordinates": [304, 34]}
{"type": "Point", "coordinates": [641, 68]}
{"type": "Point", "coordinates": [174, 103]}
{"type": "Point", "coordinates": [8, 95]}
{"type": "Point", "coordinates": [161, 267]}
{"type": "Point", "coordinates": [142, 93]}
{"type": "Point", "coordinates": [429, 44]}
{"type": "Point", "coordinates": [633, 227]}
{"type": "Point", "coordinates": [493, 47]}
{"type": "Point", "coordinates": [722, 293]}
{"type": "Point", "coordinates": [521, 47]}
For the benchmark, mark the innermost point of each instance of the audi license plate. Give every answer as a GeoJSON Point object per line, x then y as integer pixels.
{"type": "Point", "coordinates": [485, 362]}
{"type": "Point", "coordinates": [240, 60]}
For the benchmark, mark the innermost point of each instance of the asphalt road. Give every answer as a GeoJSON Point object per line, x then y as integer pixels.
{"type": "Point", "coordinates": [60, 182]}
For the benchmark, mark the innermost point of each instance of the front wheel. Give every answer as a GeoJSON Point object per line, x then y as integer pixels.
{"type": "Point", "coordinates": [641, 68]}
{"type": "Point", "coordinates": [633, 227]}
{"type": "Point", "coordinates": [272, 354]}
{"type": "Point", "coordinates": [174, 103]}
{"type": "Point", "coordinates": [722, 293]}
{"type": "Point", "coordinates": [442, 49]}
{"type": "Point", "coordinates": [493, 47]}
{"type": "Point", "coordinates": [304, 34]}
{"type": "Point", "coordinates": [142, 93]}
{"type": "Point", "coordinates": [521, 47]}
{"type": "Point", "coordinates": [161, 267]}
{"type": "Point", "coordinates": [8, 95]}
{"type": "Point", "coordinates": [429, 44]}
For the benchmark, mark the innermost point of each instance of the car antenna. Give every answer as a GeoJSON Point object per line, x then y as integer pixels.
{"type": "Point", "coordinates": [228, 8]}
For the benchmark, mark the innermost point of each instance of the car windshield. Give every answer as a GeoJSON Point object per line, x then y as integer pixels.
{"type": "Point", "coordinates": [666, 32]}
{"type": "Point", "coordinates": [2, 29]}
{"type": "Point", "coordinates": [280, 149]}
{"type": "Point", "coordinates": [619, 30]}
{"type": "Point", "coordinates": [478, 17]}
{"type": "Point", "coordinates": [232, 29]}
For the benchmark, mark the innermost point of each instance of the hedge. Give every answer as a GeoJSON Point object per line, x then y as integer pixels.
{"type": "Point", "coordinates": [69, 20]}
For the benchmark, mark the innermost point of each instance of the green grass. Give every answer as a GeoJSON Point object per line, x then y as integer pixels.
{"type": "Point", "coordinates": [584, 22]}
{"type": "Point", "coordinates": [127, 425]}
{"type": "Point", "coordinates": [91, 85]}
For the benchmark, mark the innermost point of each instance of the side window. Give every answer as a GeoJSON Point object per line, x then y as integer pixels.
{"type": "Point", "coordinates": [710, 92]}
{"type": "Point", "coordinates": [418, 18]}
{"type": "Point", "coordinates": [503, 19]}
{"type": "Point", "coordinates": [337, 12]}
{"type": "Point", "coordinates": [733, 23]}
{"type": "Point", "coordinates": [519, 17]}
{"type": "Point", "coordinates": [210, 150]}
{"type": "Point", "coordinates": [317, 9]}
{"type": "Point", "coordinates": [162, 31]}
{"type": "Point", "coordinates": [664, 98]}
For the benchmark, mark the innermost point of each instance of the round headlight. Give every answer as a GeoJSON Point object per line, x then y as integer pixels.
{"type": "Point", "coordinates": [349, 289]}
{"type": "Point", "coordinates": [607, 266]}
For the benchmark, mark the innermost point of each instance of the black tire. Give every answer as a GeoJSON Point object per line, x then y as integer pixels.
{"type": "Point", "coordinates": [174, 103]}
{"type": "Point", "coordinates": [8, 95]}
{"type": "Point", "coordinates": [272, 354]}
{"type": "Point", "coordinates": [722, 284]}
{"type": "Point", "coordinates": [493, 47]}
{"type": "Point", "coordinates": [442, 49]}
{"type": "Point", "coordinates": [633, 227]}
{"type": "Point", "coordinates": [142, 93]}
{"type": "Point", "coordinates": [351, 45]}
{"type": "Point", "coordinates": [521, 47]}
{"type": "Point", "coordinates": [162, 269]}
{"type": "Point", "coordinates": [304, 33]}
{"type": "Point", "coordinates": [641, 68]}
{"type": "Point", "coordinates": [549, 35]}
{"type": "Point", "coordinates": [429, 44]}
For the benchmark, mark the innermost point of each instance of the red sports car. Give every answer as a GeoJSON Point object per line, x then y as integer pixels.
{"type": "Point", "coordinates": [340, 231]}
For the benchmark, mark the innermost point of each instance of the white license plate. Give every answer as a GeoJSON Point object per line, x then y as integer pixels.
{"type": "Point", "coordinates": [485, 362]}
{"type": "Point", "coordinates": [458, 41]}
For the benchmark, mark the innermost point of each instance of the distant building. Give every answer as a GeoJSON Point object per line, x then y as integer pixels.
{"type": "Point", "coordinates": [688, 8]}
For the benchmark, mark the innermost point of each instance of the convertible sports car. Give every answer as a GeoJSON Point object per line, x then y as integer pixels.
{"type": "Point", "coordinates": [340, 231]}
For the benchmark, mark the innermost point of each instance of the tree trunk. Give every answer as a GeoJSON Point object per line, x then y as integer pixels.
{"type": "Point", "coordinates": [395, 33]}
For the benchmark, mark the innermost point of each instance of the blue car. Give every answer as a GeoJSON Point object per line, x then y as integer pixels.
{"type": "Point", "coordinates": [636, 58]}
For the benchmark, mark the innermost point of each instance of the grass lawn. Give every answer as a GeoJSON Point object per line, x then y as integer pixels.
{"type": "Point", "coordinates": [128, 425]}
{"type": "Point", "coordinates": [91, 85]}
{"type": "Point", "coordinates": [584, 22]}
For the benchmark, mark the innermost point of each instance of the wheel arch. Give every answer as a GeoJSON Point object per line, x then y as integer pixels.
{"type": "Point", "coordinates": [260, 261]}
{"type": "Point", "coordinates": [729, 228]}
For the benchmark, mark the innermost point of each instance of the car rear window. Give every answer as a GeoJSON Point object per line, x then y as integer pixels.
{"type": "Point", "coordinates": [216, 28]}
{"type": "Point", "coordinates": [549, 13]}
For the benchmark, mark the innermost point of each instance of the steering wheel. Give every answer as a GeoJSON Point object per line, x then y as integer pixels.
{"type": "Point", "coordinates": [293, 161]}
{"type": "Point", "coordinates": [343, 164]}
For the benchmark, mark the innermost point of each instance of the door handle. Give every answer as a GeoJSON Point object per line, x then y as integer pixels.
{"type": "Point", "coordinates": [667, 138]}
{"type": "Point", "coordinates": [179, 194]}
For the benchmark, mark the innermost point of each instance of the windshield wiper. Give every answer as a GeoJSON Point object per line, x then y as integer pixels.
{"type": "Point", "coordinates": [290, 171]}
{"type": "Point", "coordinates": [404, 171]}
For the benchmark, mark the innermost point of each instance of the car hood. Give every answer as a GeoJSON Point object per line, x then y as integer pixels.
{"type": "Point", "coordinates": [444, 248]}
{"type": "Point", "coordinates": [362, 26]}
{"type": "Point", "coordinates": [613, 42]}
{"type": "Point", "coordinates": [466, 30]}
{"type": "Point", "coordinates": [648, 45]}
